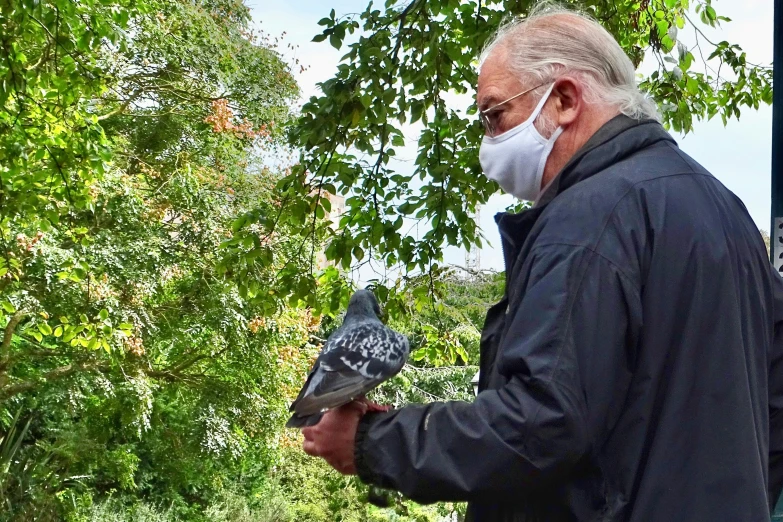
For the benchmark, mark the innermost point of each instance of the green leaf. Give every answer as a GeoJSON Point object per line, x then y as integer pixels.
{"type": "Point", "coordinates": [416, 111]}
{"type": "Point", "coordinates": [686, 62]}
{"type": "Point", "coordinates": [69, 335]}
{"type": "Point", "coordinates": [692, 86]}
{"type": "Point", "coordinates": [103, 314]}
{"type": "Point", "coordinates": [462, 353]}
{"type": "Point", "coordinates": [238, 223]}
{"type": "Point", "coordinates": [766, 95]}
{"type": "Point", "coordinates": [44, 328]}
{"type": "Point", "coordinates": [663, 29]}
{"type": "Point", "coordinates": [58, 332]}
{"type": "Point", "coordinates": [37, 336]}
{"type": "Point", "coordinates": [85, 41]}
{"type": "Point", "coordinates": [419, 355]}
{"type": "Point", "coordinates": [679, 22]}
{"type": "Point", "coordinates": [8, 307]}
{"type": "Point", "coordinates": [335, 40]}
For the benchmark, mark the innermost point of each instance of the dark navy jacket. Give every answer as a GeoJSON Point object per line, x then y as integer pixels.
{"type": "Point", "coordinates": [634, 369]}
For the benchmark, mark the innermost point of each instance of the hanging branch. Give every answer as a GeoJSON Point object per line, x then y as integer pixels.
{"type": "Point", "coordinates": [10, 328]}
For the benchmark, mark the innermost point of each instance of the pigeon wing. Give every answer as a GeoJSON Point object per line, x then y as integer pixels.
{"type": "Point", "coordinates": [352, 363]}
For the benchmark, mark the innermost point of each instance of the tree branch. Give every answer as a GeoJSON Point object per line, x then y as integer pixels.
{"type": "Point", "coordinates": [122, 107]}
{"type": "Point", "coordinates": [10, 328]}
{"type": "Point", "coordinates": [53, 375]}
{"type": "Point", "coordinates": [187, 363]}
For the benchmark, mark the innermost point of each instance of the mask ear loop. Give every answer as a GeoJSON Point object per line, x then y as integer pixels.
{"type": "Point", "coordinates": [548, 143]}
{"type": "Point", "coordinates": [537, 112]}
{"type": "Point", "coordinates": [541, 103]}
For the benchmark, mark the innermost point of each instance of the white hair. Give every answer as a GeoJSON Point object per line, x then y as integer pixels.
{"type": "Point", "coordinates": [552, 41]}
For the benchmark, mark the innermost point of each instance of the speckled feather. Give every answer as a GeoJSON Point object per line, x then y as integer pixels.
{"type": "Point", "coordinates": [356, 358]}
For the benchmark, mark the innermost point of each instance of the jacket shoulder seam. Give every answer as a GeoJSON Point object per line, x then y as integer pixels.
{"type": "Point", "coordinates": [620, 270]}
{"type": "Point", "coordinates": [633, 186]}
{"type": "Point", "coordinates": [594, 246]}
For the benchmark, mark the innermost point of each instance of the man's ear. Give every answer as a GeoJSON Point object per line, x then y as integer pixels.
{"type": "Point", "coordinates": [567, 95]}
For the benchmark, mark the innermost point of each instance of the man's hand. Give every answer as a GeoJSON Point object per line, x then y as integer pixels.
{"type": "Point", "coordinates": [332, 438]}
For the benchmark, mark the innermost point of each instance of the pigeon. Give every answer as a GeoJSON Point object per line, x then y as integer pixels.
{"type": "Point", "coordinates": [361, 354]}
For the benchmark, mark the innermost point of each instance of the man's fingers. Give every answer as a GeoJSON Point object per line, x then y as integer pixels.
{"type": "Point", "coordinates": [358, 405]}
{"type": "Point", "coordinates": [309, 447]}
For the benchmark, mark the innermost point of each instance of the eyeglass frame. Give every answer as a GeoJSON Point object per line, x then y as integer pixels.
{"type": "Point", "coordinates": [485, 123]}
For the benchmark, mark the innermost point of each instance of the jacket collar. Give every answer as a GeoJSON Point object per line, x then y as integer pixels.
{"type": "Point", "coordinates": [617, 139]}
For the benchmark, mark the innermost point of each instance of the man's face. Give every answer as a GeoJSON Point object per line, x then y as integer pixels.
{"type": "Point", "coordinates": [496, 83]}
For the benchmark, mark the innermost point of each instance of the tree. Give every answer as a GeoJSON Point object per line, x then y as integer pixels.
{"type": "Point", "coordinates": [131, 140]}
{"type": "Point", "coordinates": [162, 109]}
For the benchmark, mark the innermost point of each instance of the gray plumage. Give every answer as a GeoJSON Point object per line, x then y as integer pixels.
{"type": "Point", "coordinates": [357, 357]}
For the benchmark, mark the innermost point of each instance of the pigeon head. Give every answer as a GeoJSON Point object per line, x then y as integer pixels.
{"type": "Point", "coordinates": [364, 303]}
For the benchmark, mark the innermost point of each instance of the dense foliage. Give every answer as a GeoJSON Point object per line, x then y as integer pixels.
{"type": "Point", "coordinates": [131, 142]}
{"type": "Point", "coordinates": [161, 294]}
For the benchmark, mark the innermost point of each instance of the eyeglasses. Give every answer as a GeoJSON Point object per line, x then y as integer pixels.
{"type": "Point", "coordinates": [489, 128]}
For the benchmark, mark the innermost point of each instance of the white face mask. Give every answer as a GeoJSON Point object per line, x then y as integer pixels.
{"type": "Point", "coordinates": [516, 158]}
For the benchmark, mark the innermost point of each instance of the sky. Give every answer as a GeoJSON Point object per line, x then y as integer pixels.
{"type": "Point", "coordinates": [739, 155]}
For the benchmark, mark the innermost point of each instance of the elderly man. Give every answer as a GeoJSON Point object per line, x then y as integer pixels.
{"type": "Point", "coordinates": [633, 370]}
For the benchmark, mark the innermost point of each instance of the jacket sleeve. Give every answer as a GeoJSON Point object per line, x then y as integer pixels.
{"type": "Point", "coordinates": [776, 398]}
{"type": "Point", "coordinates": [564, 355]}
